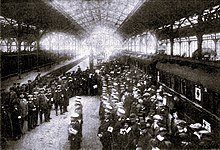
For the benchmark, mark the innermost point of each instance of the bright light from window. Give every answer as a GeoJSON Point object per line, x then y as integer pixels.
{"type": "Point", "coordinates": [102, 41]}
{"type": "Point", "coordinates": [58, 42]}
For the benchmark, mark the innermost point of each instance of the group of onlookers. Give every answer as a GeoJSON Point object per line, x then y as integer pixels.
{"type": "Point", "coordinates": [135, 113]}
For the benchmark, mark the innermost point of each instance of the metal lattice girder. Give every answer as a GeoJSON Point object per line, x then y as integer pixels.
{"type": "Point", "coordinates": [39, 14]}
{"type": "Point", "coordinates": [154, 14]}
{"type": "Point", "coordinates": [90, 13]}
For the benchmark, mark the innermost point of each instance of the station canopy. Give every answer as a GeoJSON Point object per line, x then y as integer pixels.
{"type": "Point", "coordinates": [80, 17]}
{"type": "Point", "coordinates": [90, 13]}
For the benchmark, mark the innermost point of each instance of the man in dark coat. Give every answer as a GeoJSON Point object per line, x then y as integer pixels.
{"type": "Point", "coordinates": [37, 104]}
{"type": "Point", "coordinates": [16, 121]}
{"type": "Point", "coordinates": [105, 133]}
{"type": "Point", "coordinates": [31, 113]}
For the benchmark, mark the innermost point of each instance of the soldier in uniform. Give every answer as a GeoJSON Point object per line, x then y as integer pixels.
{"type": "Point", "coordinates": [65, 99]}
{"type": "Point", "coordinates": [56, 99]}
{"type": "Point", "coordinates": [105, 131]}
{"type": "Point", "coordinates": [16, 121]}
{"type": "Point", "coordinates": [31, 113]}
{"type": "Point", "coordinates": [29, 87]}
{"type": "Point", "coordinates": [37, 104]}
{"type": "Point", "coordinates": [133, 134]}
{"type": "Point", "coordinates": [24, 110]}
{"type": "Point", "coordinates": [49, 104]}
{"type": "Point", "coordinates": [73, 131]}
{"type": "Point", "coordinates": [43, 105]}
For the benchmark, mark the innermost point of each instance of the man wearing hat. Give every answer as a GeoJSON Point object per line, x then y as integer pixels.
{"type": "Point", "coordinates": [24, 110]}
{"type": "Point", "coordinates": [12, 96]}
{"type": "Point", "coordinates": [29, 87]}
{"type": "Point", "coordinates": [16, 121]}
{"type": "Point", "coordinates": [56, 98]}
{"type": "Point", "coordinates": [146, 134]}
{"type": "Point", "coordinates": [43, 105]}
{"type": "Point", "coordinates": [105, 132]}
{"type": "Point", "coordinates": [118, 125]}
{"type": "Point", "coordinates": [133, 134]}
{"type": "Point", "coordinates": [74, 132]}
{"type": "Point", "coordinates": [31, 113]}
{"type": "Point", "coordinates": [37, 105]}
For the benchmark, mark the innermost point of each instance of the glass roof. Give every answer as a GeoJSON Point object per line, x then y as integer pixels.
{"type": "Point", "coordinates": [89, 13]}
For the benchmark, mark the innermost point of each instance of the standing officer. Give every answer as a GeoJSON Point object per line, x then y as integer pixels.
{"type": "Point", "coordinates": [29, 87]}
{"type": "Point", "coordinates": [43, 105]}
{"type": "Point", "coordinates": [24, 110]}
{"type": "Point", "coordinates": [31, 113]}
{"type": "Point", "coordinates": [65, 98]}
{"type": "Point", "coordinates": [56, 99]}
{"type": "Point", "coordinates": [37, 105]}
{"type": "Point", "coordinates": [49, 104]}
{"type": "Point", "coordinates": [16, 121]}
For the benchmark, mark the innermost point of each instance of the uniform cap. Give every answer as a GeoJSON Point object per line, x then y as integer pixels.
{"type": "Point", "coordinates": [35, 92]}
{"type": "Point", "coordinates": [105, 103]}
{"type": "Point", "coordinates": [109, 107]}
{"type": "Point", "coordinates": [157, 117]}
{"type": "Point", "coordinates": [42, 89]}
{"type": "Point", "coordinates": [78, 106]}
{"type": "Point", "coordinates": [63, 77]}
{"type": "Point", "coordinates": [121, 111]}
{"type": "Point", "coordinates": [74, 115]}
{"type": "Point", "coordinates": [107, 111]}
{"type": "Point", "coordinates": [105, 97]}
{"type": "Point", "coordinates": [30, 96]}
{"type": "Point", "coordinates": [146, 94]}
{"type": "Point", "coordinates": [114, 101]}
{"type": "Point", "coordinates": [78, 97]}
{"type": "Point", "coordinates": [77, 102]}
{"type": "Point", "coordinates": [115, 84]}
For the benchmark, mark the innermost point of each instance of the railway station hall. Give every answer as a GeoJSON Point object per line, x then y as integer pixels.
{"type": "Point", "coordinates": [110, 74]}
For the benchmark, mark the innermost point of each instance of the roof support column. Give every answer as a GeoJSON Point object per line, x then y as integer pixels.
{"type": "Point", "coordinates": [134, 40]}
{"type": "Point", "coordinates": [171, 45]}
{"type": "Point", "coordinates": [38, 47]}
{"type": "Point", "coordinates": [75, 49]}
{"type": "Point", "coordinates": [146, 40]}
{"type": "Point", "coordinates": [19, 40]}
{"type": "Point", "coordinates": [215, 40]}
{"type": "Point", "coordinates": [140, 45]}
{"type": "Point", "coordinates": [189, 50]}
{"type": "Point", "coordinates": [199, 44]}
{"type": "Point", "coordinates": [180, 49]}
{"type": "Point", "coordinates": [129, 44]}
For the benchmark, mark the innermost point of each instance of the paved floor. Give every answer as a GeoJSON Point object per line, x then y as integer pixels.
{"type": "Point", "coordinates": [53, 135]}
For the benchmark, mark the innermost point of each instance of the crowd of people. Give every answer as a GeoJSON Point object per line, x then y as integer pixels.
{"type": "Point", "coordinates": [136, 114]}
{"type": "Point", "coordinates": [26, 106]}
